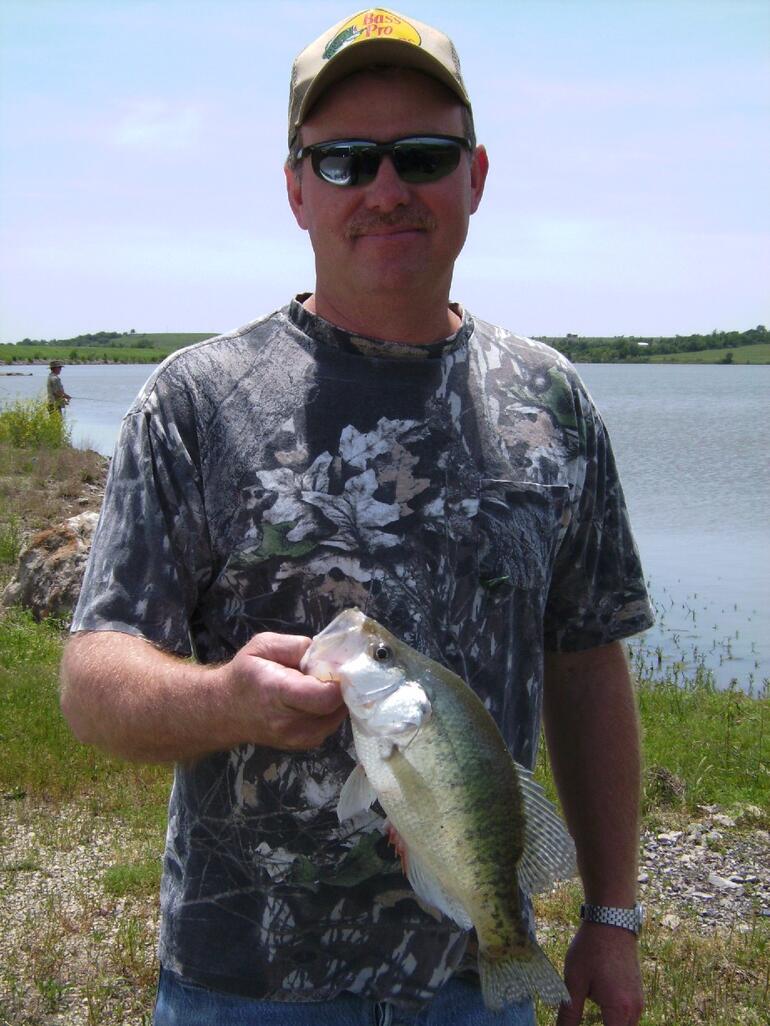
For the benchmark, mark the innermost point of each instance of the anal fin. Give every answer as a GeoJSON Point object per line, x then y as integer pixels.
{"type": "Point", "coordinates": [427, 886]}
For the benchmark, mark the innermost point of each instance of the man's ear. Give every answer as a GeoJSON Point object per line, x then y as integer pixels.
{"type": "Point", "coordinates": [479, 170]}
{"type": "Point", "coordinates": [294, 192]}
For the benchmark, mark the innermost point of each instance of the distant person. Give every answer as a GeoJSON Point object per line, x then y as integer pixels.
{"type": "Point", "coordinates": [370, 444]}
{"type": "Point", "coordinates": [57, 397]}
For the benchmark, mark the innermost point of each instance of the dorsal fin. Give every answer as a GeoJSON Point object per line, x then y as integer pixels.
{"type": "Point", "coordinates": [549, 851]}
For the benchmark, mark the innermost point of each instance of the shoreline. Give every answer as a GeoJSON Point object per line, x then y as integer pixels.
{"type": "Point", "coordinates": [576, 363]}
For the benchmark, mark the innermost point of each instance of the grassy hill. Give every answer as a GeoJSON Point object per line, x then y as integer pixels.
{"type": "Point", "coordinates": [102, 347]}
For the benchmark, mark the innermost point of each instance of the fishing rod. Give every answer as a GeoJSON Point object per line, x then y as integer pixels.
{"type": "Point", "coordinates": [93, 399]}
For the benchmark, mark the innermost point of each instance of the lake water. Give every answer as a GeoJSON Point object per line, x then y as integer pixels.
{"type": "Point", "coordinates": [691, 444]}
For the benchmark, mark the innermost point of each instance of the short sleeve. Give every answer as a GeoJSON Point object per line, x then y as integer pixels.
{"type": "Point", "coordinates": [151, 553]}
{"type": "Point", "coordinates": [597, 593]}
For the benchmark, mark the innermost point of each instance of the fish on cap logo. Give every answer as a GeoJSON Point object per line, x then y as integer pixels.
{"type": "Point", "coordinates": [376, 23]}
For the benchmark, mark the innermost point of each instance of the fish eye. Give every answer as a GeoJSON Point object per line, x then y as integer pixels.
{"type": "Point", "coordinates": [381, 653]}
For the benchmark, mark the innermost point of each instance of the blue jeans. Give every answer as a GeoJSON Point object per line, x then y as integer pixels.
{"type": "Point", "coordinates": [458, 1003]}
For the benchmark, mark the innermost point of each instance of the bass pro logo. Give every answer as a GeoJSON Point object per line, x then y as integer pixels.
{"type": "Point", "coordinates": [372, 24]}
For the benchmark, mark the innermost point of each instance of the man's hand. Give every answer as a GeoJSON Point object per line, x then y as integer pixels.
{"type": "Point", "coordinates": [289, 709]}
{"type": "Point", "coordinates": [602, 964]}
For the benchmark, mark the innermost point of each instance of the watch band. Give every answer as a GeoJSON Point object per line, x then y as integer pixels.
{"type": "Point", "coordinates": [626, 918]}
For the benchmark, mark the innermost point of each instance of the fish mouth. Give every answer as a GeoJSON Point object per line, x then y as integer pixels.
{"type": "Point", "coordinates": [334, 645]}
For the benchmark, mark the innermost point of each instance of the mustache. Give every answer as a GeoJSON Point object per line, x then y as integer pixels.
{"type": "Point", "coordinates": [414, 220]}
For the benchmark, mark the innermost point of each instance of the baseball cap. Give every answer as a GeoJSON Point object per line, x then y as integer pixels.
{"type": "Point", "coordinates": [374, 36]}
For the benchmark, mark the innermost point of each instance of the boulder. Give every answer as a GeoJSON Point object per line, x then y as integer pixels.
{"type": "Point", "coordinates": [51, 568]}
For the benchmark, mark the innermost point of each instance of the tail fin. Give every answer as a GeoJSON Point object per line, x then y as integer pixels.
{"type": "Point", "coordinates": [519, 976]}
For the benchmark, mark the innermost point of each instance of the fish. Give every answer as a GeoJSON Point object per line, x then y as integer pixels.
{"type": "Point", "coordinates": [473, 828]}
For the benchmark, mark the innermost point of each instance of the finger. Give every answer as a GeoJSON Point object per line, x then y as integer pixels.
{"type": "Point", "coordinates": [571, 1014]}
{"type": "Point", "coordinates": [286, 649]}
{"type": "Point", "coordinates": [312, 733]}
{"type": "Point", "coordinates": [626, 1013]}
{"type": "Point", "coordinates": [306, 694]}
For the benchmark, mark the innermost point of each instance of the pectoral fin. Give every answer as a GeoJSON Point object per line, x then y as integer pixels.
{"type": "Point", "coordinates": [357, 794]}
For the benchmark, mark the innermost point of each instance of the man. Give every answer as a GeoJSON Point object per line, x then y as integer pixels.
{"type": "Point", "coordinates": [57, 397]}
{"type": "Point", "coordinates": [370, 444]}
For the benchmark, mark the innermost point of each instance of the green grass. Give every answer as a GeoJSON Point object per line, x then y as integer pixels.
{"type": "Point", "coordinates": [140, 878]}
{"type": "Point", "coordinates": [10, 540]}
{"type": "Point", "coordinates": [702, 746]}
{"type": "Point", "coordinates": [716, 743]}
{"type": "Point", "coordinates": [30, 721]}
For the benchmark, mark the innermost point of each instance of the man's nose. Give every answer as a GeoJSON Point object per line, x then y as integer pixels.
{"type": "Point", "coordinates": [387, 191]}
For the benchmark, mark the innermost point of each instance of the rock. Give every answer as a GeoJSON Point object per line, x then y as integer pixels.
{"type": "Point", "coordinates": [750, 814]}
{"type": "Point", "coordinates": [670, 838]}
{"type": "Point", "coordinates": [723, 821]}
{"type": "Point", "coordinates": [721, 884]}
{"type": "Point", "coordinates": [712, 837]}
{"type": "Point", "coordinates": [51, 568]}
{"type": "Point", "coordinates": [662, 786]}
{"type": "Point", "coordinates": [671, 921]}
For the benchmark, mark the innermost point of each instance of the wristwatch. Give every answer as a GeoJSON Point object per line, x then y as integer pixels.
{"type": "Point", "coordinates": [627, 918]}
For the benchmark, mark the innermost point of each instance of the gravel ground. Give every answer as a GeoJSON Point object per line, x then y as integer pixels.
{"type": "Point", "coordinates": [70, 953]}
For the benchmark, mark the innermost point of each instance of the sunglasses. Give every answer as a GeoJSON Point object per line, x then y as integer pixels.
{"type": "Point", "coordinates": [417, 158]}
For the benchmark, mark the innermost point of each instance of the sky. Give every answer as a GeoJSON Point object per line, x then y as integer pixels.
{"type": "Point", "coordinates": [141, 182]}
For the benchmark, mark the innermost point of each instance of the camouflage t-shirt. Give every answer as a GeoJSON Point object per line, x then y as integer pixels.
{"type": "Point", "coordinates": [463, 493]}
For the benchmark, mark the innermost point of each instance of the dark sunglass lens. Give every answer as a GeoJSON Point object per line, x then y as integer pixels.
{"type": "Point", "coordinates": [426, 161]}
{"type": "Point", "coordinates": [367, 164]}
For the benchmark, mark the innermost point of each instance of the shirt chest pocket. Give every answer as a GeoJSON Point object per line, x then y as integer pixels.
{"type": "Point", "coordinates": [519, 525]}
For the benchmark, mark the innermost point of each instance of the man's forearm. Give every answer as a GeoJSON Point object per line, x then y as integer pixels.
{"type": "Point", "coordinates": [593, 740]}
{"type": "Point", "coordinates": [122, 694]}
